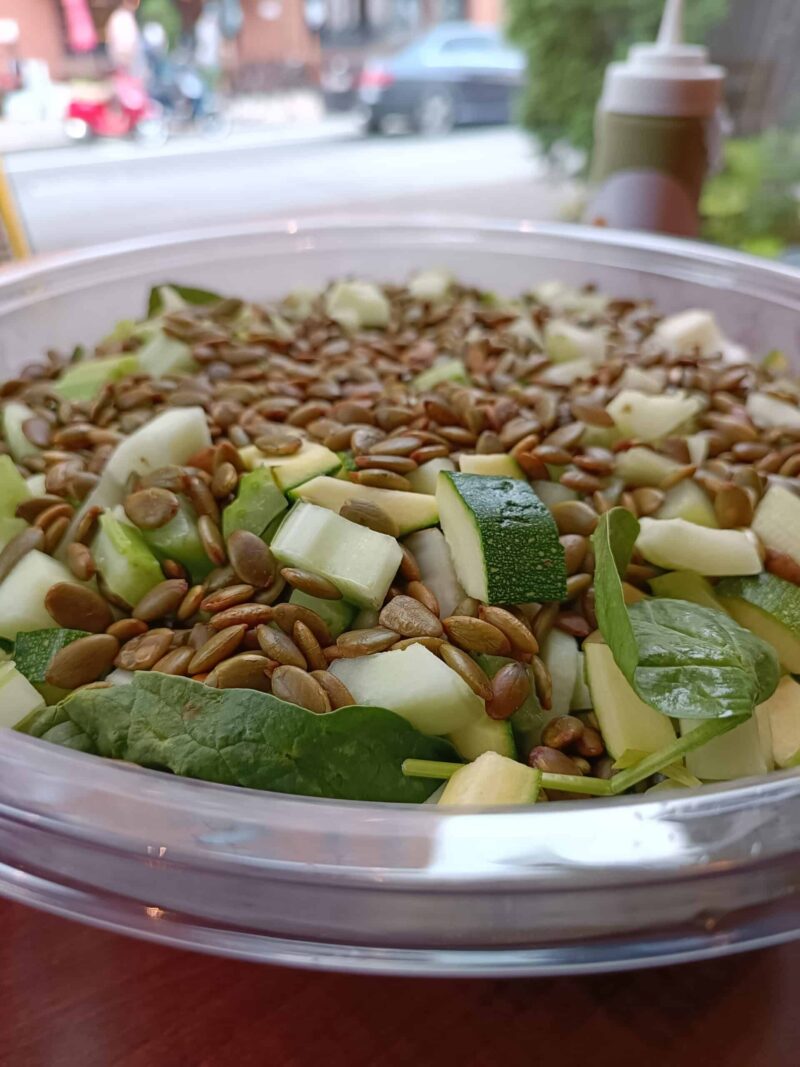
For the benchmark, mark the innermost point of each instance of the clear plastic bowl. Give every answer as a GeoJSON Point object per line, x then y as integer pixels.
{"type": "Point", "coordinates": [573, 887]}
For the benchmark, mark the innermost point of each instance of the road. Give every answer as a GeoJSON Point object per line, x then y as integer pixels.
{"type": "Point", "coordinates": [92, 194]}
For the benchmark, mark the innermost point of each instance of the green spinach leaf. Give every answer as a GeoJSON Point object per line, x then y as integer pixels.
{"type": "Point", "coordinates": [242, 737]}
{"type": "Point", "coordinates": [683, 659]}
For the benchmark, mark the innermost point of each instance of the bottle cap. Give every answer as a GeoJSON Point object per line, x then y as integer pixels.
{"type": "Point", "coordinates": [665, 78]}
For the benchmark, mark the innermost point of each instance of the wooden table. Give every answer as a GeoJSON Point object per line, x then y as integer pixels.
{"type": "Point", "coordinates": [73, 997]}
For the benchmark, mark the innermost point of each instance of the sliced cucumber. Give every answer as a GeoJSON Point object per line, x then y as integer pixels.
{"type": "Point", "coordinates": [777, 521]}
{"type": "Point", "coordinates": [503, 540]}
{"type": "Point", "coordinates": [174, 436]}
{"type": "Point", "coordinates": [626, 722]}
{"type": "Point", "coordinates": [783, 711]}
{"type": "Point", "coordinates": [444, 370]}
{"type": "Point", "coordinates": [736, 754]}
{"type": "Point", "coordinates": [431, 285]}
{"type": "Point", "coordinates": [686, 585]}
{"type": "Point", "coordinates": [498, 464]}
{"type": "Point", "coordinates": [336, 614]}
{"type": "Point", "coordinates": [13, 488]}
{"type": "Point", "coordinates": [82, 381]}
{"type": "Point", "coordinates": [687, 331]}
{"type": "Point", "coordinates": [484, 735]}
{"type": "Point", "coordinates": [683, 546]}
{"type": "Point", "coordinates": [640, 466]}
{"type": "Point", "coordinates": [13, 415]}
{"type": "Point", "coordinates": [768, 412]}
{"type": "Point", "coordinates": [258, 501]}
{"type": "Point", "coordinates": [18, 697]}
{"type": "Point", "coordinates": [357, 305]}
{"type": "Point", "coordinates": [430, 550]}
{"type": "Point", "coordinates": [564, 341]}
{"type": "Point", "coordinates": [559, 652]}
{"type": "Point", "coordinates": [687, 500]}
{"type": "Point", "coordinates": [360, 562]}
{"type": "Point", "coordinates": [770, 607]}
{"type": "Point", "coordinates": [179, 539]}
{"type": "Point", "coordinates": [648, 417]}
{"type": "Point", "coordinates": [414, 683]}
{"type": "Point", "coordinates": [552, 493]}
{"type": "Point", "coordinates": [126, 564]}
{"type": "Point", "coordinates": [162, 355]}
{"type": "Point", "coordinates": [23, 591]}
{"type": "Point", "coordinates": [411, 511]}
{"type": "Point", "coordinates": [492, 779]}
{"type": "Point", "coordinates": [290, 472]}
{"type": "Point", "coordinates": [423, 479]}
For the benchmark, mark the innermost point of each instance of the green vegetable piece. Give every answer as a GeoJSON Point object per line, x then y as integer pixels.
{"type": "Point", "coordinates": [686, 585]}
{"type": "Point", "coordinates": [445, 370]}
{"type": "Point", "coordinates": [162, 354]}
{"type": "Point", "coordinates": [13, 489]}
{"type": "Point", "coordinates": [242, 737]}
{"type": "Point", "coordinates": [336, 614]}
{"type": "Point", "coordinates": [258, 502]}
{"type": "Point", "coordinates": [530, 719]}
{"type": "Point", "coordinates": [171, 297]}
{"type": "Point", "coordinates": [685, 660]}
{"type": "Point", "coordinates": [82, 381]}
{"type": "Point", "coordinates": [567, 783]}
{"type": "Point", "coordinates": [770, 607]}
{"type": "Point", "coordinates": [179, 540]}
{"type": "Point", "coordinates": [127, 565]}
{"type": "Point", "coordinates": [33, 653]}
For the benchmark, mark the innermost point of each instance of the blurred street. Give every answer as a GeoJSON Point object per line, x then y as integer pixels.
{"type": "Point", "coordinates": [114, 190]}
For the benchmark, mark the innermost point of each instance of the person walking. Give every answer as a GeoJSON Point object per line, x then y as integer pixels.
{"type": "Point", "coordinates": [124, 42]}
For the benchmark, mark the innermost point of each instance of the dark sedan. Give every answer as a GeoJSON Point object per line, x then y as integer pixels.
{"type": "Point", "coordinates": [457, 74]}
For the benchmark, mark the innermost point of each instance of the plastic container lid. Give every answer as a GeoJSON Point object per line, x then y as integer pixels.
{"type": "Point", "coordinates": [665, 78]}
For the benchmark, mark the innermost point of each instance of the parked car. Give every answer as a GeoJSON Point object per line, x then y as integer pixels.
{"type": "Point", "coordinates": [456, 74]}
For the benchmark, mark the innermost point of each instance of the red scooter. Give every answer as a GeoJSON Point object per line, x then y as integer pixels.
{"type": "Point", "coordinates": [117, 108]}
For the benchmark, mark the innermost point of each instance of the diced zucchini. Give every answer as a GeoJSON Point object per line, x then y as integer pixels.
{"type": "Point", "coordinates": [560, 655]}
{"type": "Point", "coordinates": [626, 722]}
{"type": "Point", "coordinates": [688, 331]}
{"type": "Point", "coordinates": [414, 683]}
{"type": "Point", "coordinates": [411, 511]}
{"type": "Point", "coordinates": [258, 501]}
{"type": "Point", "coordinates": [503, 540]}
{"type": "Point", "coordinates": [162, 355]}
{"type": "Point", "coordinates": [484, 735]}
{"type": "Point", "coordinates": [18, 697]}
{"type": "Point", "coordinates": [783, 711]}
{"type": "Point", "coordinates": [688, 500]}
{"type": "Point", "coordinates": [311, 460]}
{"type": "Point", "coordinates": [639, 466]}
{"type": "Point", "coordinates": [9, 528]}
{"type": "Point", "coordinates": [12, 416]}
{"type": "Point", "coordinates": [498, 465]}
{"type": "Point", "coordinates": [650, 380]}
{"type": "Point", "coordinates": [777, 521]}
{"type": "Point", "coordinates": [13, 488]}
{"type": "Point", "coordinates": [23, 590]}
{"type": "Point", "coordinates": [337, 615]}
{"type": "Point", "coordinates": [686, 585]}
{"type": "Point", "coordinates": [566, 373]}
{"type": "Point", "coordinates": [126, 564]}
{"type": "Point", "coordinates": [768, 412]}
{"type": "Point", "coordinates": [423, 479]}
{"type": "Point", "coordinates": [83, 380]}
{"type": "Point", "coordinates": [33, 653]}
{"type": "Point", "coordinates": [430, 550]}
{"type": "Point", "coordinates": [683, 546]}
{"type": "Point", "coordinates": [360, 562]}
{"type": "Point", "coordinates": [179, 539]}
{"type": "Point", "coordinates": [357, 305]}
{"type": "Point", "coordinates": [648, 417]}
{"type": "Point", "coordinates": [444, 370]}
{"type": "Point", "coordinates": [564, 341]}
{"type": "Point", "coordinates": [174, 436]}
{"type": "Point", "coordinates": [736, 754]}
{"type": "Point", "coordinates": [492, 779]}
{"type": "Point", "coordinates": [581, 694]}
{"type": "Point", "coordinates": [430, 285]}
{"type": "Point", "coordinates": [770, 607]}
{"type": "Point", "coordinates": [552, 493]}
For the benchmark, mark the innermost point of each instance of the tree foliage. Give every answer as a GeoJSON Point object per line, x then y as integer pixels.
{"type": "Point", "coordinates": [568, 44]}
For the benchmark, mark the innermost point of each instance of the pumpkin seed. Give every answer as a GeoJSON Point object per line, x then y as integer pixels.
{"type": "Point", "coordinates": [551, 761]}
{"type": "Point", "coordinates": [162, 600]}
{"type": "Point", "coordinates": [365, 513]}
{"type": "Point", "coordinates": [286, 615]}
{"type": "Point", "coordinates": [217, 648]}
{"type": "Point", "coordinates": [279, 443]}
{"type": "Point", "coordinates": [339, 696]}
{"type": "Point", "coordinates": [381, 479]}
{"type": "Point", "coordinates": [80, 561]}
{"type": "Point", "coordinates": [280, 647]}
{"type": "Point", "coordinates": [409, 618]}
{"type": "Point", "coordinates": [313, 584]}
{"type": "Point", "coordinates": [77, 607]}
{"type": "Point", "coordinates": [175, 662]}
{"type": "Point", "coordinates": [575, 517]}
{"type": "Point", "coordinates": [511, 687]}
{"type": "Point", "coordinates": [245, 614]}
{"type": "Point", "coordinates": [126, 629]}
{"type": "Point", "coordinates": [140, 653]}
{"type": "Point", "coordinates": [82, 661]}
{"type": "Point", "coordinates": [18, 547]}
{"type": "Point", "coordinates": [733, 507]}
{"type": "Point", "coordinates": [562, 732]}
{"type": "Point", "coordinates": [363, 642]}
{"type": "Point", "coordinates": [309, 646]}
{"type": "Point", "coordinates": [298, 687]}
{"type": "Point", "coordinates": [190, 604]}
{"type": "Point", "coordinates": [149, 509]}
{"type": "Point", "coordinates": [247, 670]}
{"type": "Point", "coordinates": [476, 635]}
{"type": "Point", "coordinates": [251, 559]}
{"type": "Point", "coordinates": [211, 540]}
{"type": "Point", "coordinates": [228, 597]}
{"type": "Point", "coordinates": [463, 664]}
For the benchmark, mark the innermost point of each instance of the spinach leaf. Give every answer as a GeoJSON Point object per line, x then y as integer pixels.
{"type": "Point", "coordinates": [682, 659]}
{"type": "Point", "coordinates": [242, 737]}
{"type": "Point", "coordinates": [195, 297]}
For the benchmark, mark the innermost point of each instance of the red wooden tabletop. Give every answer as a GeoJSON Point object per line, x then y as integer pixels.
{"type": "Point", "coordinates": [71, 996]}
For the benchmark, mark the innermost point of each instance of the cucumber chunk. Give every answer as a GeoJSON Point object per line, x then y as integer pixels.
{"type": "Point", "coordinates": [498, 464]}
{"type": "Point", "coordinates": [18, 697]}
{"type": "Point", "coordinates": [360, 562]}
{"type": "Point", "coordinates": [9, 528]}
{"type": "Point", "coordinates": [626, 722]}
{"type": "Point", "coordinates": [683, 546]}
{"type": "Point", "coordinates": [430, 550]}
{"type": "Point", "coordinates": [162, 355]}
{"type": "Point", "coordinates": [411, 511]}
{"type": "Point", "coordinates": [564, 341]}
{"type": "Point", "coordinates": [777, 521]}
{"type": "Point", "coordinates": [768, 412]}
{"type": "Point", "coordinates": [336, 614]}
{"type": "Point", "coordinates": [552, 493]}
{"type": "Point", "coordinates": [174, 436]}
{"type": "Point", "coordinates": [128, 567]}
{"type": "Point", "coordinates": [503, 540]}
{"type": "Point", "coordinates": [649, 417]}
{"type": "Point", "coordinates": [560, 655]}
{"type": "Point", "coordinates": [690, 330]}
{"type": "Point", "coordinates": [414, 683]}
{"type": "Point", "coordinates": [13, 489]}
{"type": "Point", "coordinates": [83, 380]}
{"type": "Point", "coordinates": [357, 305]}
{"type": "Point", "coordinates": [484, 735]}
{"type": "Point", "coordinates": [311, 460]}
{"type": "Point", "coordinates": [770, 607]}
{"type": "Point", "coordinates": [444, 370]}
{"type": "Point", "coordinates": [431, 285]}
{"type": "Point", "coordinates": [423, 479]}
{"type": "Point", "coordinates": [640, 466]}
{"type": "Point", "coordinates": [783, 711]}
{"type": "Point", "coordinates": [258, 501]}
{"type": "Point", "coordinates": [686, 585]}
{"type": "Point", "coordinates": [13, 415]}
{"type": "Point", "coordinates": [492, 779]}
{"type": "Point", "coordinates": [736, 754]}
{"type": "Point", "coordinates": [687, 500]}
{"type": "Point", "coordinates": [179, 539]}
{"type": "Point", "coordinates": [22, 594]}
